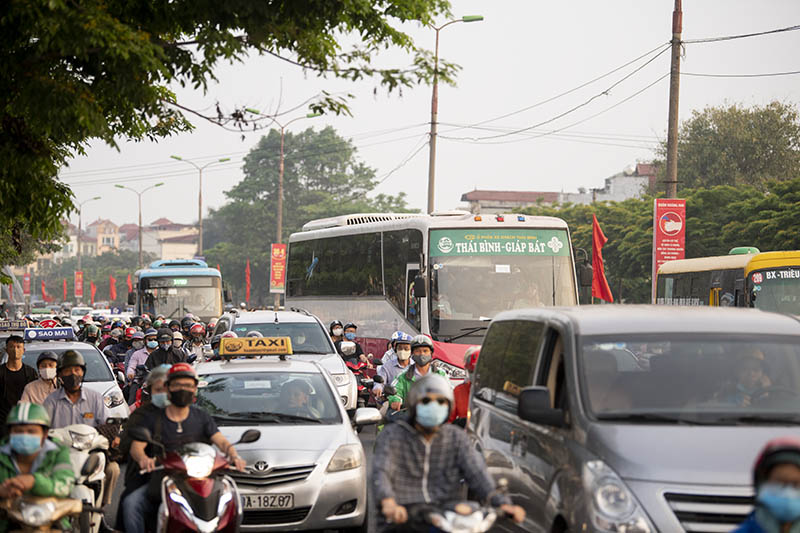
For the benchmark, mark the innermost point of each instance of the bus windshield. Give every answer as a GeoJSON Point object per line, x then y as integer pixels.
{"type": "Point", "coordinates": [776, 289]}
{"type": "Point", "coordinates": [476, 274]}
{"type": "Point", "coordinates": [175, 297]}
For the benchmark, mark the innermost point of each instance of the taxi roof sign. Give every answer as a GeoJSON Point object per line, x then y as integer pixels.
{"type": "Point", "coordinates": [254, 346]}
{"type": "Point", "coordinates": [49, 334]}
{"type": "Point", "coordinates": [13, 325]}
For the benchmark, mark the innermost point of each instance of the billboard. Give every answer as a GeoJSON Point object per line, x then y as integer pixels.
{"type": "Point", "coordinates": [277, 269]}
{"type": "Point", "coordinates": [669, 233]}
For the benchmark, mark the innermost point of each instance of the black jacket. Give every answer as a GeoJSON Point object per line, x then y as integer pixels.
{"type": "Point", "coordinates": [164, 357]}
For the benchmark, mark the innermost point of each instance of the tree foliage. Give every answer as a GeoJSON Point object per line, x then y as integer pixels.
{"type": "Point", "coordinates": [717, 219]}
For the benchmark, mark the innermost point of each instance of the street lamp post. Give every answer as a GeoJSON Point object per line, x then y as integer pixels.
{"type": "Point", "coordinates": [139, 194]}
{"type": "Point", "coordinates": [435, 108]}
{"type": "Point", "coordinates": [200, 196]}
{"type": "Point", "coordinates": [80, 210]}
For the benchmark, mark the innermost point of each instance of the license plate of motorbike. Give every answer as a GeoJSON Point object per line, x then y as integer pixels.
{"type": "Point", "coordinates": [268, 501]}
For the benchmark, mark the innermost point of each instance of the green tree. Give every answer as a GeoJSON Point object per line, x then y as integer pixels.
{"type": "Point", "coordinates": [73, 71]}
{"type": "Point", "coordinates": [736, 145]}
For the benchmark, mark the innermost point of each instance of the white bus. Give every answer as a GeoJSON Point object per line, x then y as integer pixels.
{"type": "Point", "coordinates": [444, 275]}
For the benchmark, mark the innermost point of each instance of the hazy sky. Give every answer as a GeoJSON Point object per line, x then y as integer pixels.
{"type": "Point", "coordinates": [524, 52]}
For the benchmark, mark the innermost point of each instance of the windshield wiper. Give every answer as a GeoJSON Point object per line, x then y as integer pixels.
{"type": "Point", "coordinates": [760, 419]}
{"type": "Point", "coordinates": [649, 417]}
{"type": "Point", "coordinates": [467, 333]}
{"type": "Point", "coordinates": [250, 415]}
{"type": "Point", "coordinates": [308, 351]}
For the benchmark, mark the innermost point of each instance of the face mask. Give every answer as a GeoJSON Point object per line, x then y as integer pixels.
{"type": "Point", "coordinates": [166, 345]}
{"type": "Point", "coordinates": [177, 344]}
{"type": "Point", "coordinates": [422, 360]}
{"type": "Point", "coordinates": [72, 382]}
{"type": "Point", "coordinates": [432, 414]}
{"type": "Point", "coordinates": [160, 400]}
{"type": "Point", "coordinates": [181, 398]}
{"type": "Point", "coordinates": [350, 336]}
{"type": "Point", "coordinates": [338, 332]}
{"type": "Point", "coordinates": [138, 345]}
{"type": "Point", "coordinates": [403, 355]}
{"type": "Point", "coordinates": [47, 373]}
{"type": "Point", "coordinates": [152, 344]}
{"type": "Point", "coordinates": [25, 444]}
{"type": "Point", "coordinates": [782, 502]}
{"type": "Point", "coordinates": [91, 340]}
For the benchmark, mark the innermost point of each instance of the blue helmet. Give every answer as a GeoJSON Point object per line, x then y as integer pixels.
{"type": "Point", "coordinates": [401, 336]}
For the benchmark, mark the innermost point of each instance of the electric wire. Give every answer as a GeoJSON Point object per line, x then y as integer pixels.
{"type": "Point", "coordinates": [741, 36]}
{"type": "Point", "coordinates": [764, 75]}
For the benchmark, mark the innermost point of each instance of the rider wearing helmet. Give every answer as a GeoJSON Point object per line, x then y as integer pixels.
{"type": "Point", "coordinates": [422, 358]}
{"type": "Point", "coordinates": [336, 330]}
{"type": "Point", "coordinates": [119, 350]}
{"type": "Point", "coordinates": [91, 334]}
{"type": "Point", "coordinates": [193, 345]}
{"type": "Point", "coordinates": [186, 325]}
{"type": "Point", "coordinates": [776, 480]}
{"type": "Point", "coordinates": [166, 353]}
{"type": "Point", "coordinates": [30, 463]}
{"type": "Point", "coordinates": [37, 391]}
{"type": "Point", "coordinates": [350, 335]}
{"type": "Point", "coordinates": [446, 453]}
{"type": "Point", "coordinates": [396, 362]}
{"type": "Point", "coordinates": [461, 393]}
{"type": "Point", "coordinates": [174, 325]}
{"type": "Point", "coordinates": [178, 423]}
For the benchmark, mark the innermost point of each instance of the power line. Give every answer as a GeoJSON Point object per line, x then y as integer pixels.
{"type": "Point", "coordinates": [741, 36]}
{"type": "Point", "coordinates": [588, 135]}
{"type": "Point", "coordinates": [765, 75]}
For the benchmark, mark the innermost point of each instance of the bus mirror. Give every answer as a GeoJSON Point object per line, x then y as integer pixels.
{"type": "Point", "coordinates": [132, 298]}
{"type": "Point", "coordinates": [585, 274]}
{"type": "Point", "coordinates": [419, 287]}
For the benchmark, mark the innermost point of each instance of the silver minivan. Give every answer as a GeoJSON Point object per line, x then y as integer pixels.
{"type": "Point", "coordinates": [633, 418]}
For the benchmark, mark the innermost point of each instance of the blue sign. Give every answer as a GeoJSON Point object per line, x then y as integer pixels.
{"type": "Point", "coordinates": [49, 334]}
{"type": "Point", "coordinates": [115, 310]}
{"type": "Point", "coordinates": [13, 325]}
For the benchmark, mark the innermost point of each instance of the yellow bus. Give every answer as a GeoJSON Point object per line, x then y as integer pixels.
{"type": "Point", "coordinates": [744, 278]}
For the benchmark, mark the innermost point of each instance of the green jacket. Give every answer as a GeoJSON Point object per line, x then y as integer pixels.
{"type": "Point", "coordinates": [52, 472]}
{"type": "Point", "coordinates": [402, 383]}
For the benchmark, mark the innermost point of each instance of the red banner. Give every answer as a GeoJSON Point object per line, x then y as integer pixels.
{"type": "Point", "coordinates": [64, 292]}
{"type": "Point", "coordinates": [247, 282]}
{"type": "Point", "coordinates": [92, 290]}
{"type": "Point", "coordinates": [45, 297]}
{"type": "Point", "coordinates": [11, 292]}
{"type": "Point", "coordinates": [277, 269]}
{"type": "Point", "coordinates": [26, 284]}
{"type": "Point", "coordinates": [78, 284]}
{"type": "Point", "coordinates": [669, 233]}
{"type": "Point", "coordinates": [600, 288]}
{"type": "Point", "coordinates": [130, 283]}
{"type": "Point", "coordinates": [112, 288]}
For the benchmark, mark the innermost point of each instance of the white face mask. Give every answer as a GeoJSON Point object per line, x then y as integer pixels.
{"type": "Point", "coordinates": [47, 373]}
{"type": "Point", "coordinates": [403, 355]}
{"type": "Point", "coordinates": [338, 332]}
{"type": "Point", "coordinates": [138, 345]}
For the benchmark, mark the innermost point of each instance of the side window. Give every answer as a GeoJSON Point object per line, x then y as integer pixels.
{"type": "Point", "coordinates": [507, 362]}
{"type": "Point", "coordinates": [401, 251]}
{"type": "Point", "coordinates": [222, 327]}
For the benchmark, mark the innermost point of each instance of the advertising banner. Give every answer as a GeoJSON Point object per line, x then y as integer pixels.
{"type": "Point", "coordinates": [26, 284]}
{"type": "Point", "coordinates": [78, 284]}
{"type": "Point", "coordinates": [277, 269]}
{"type": "Point", "coordinates": [669, 233]}
{"type": "Point", "coordinates": [499, 241]}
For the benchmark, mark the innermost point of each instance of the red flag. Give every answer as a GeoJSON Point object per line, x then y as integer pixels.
{"type": "Point", "coordinates": [64, 298]}
{"type": "Point", "coordinates": [130, 284]}
{"type": "Point", "coordinates": [11, 292]}
{"type": "Point", "coordinates": [247, 282]}
{"type": "Point", "coordinates": [218, 268]}
{"type": "Point", "coordinates": [92, 290]}
{"type": "Point", "coordinates": [112, 288]}
{"type": "Point", "coordinates": [600, 288]}
{"type": "Point", "coordinates": [45, 297]}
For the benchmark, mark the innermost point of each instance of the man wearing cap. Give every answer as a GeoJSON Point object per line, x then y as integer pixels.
{"type": "Point", "coordinates": [14, 376]}
{"type": "Point", "coordinates": [166, 353]}
{"type": "Point", "coordinates": [37, 391]}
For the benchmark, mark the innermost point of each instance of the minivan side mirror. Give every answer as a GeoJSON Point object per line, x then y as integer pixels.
{"type": "Point", "coordinates": [585, 274]}
{"type": "Point", "coordinates": [534, 406]}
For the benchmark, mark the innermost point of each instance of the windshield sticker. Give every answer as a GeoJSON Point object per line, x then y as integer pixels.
{"type": "Point", "coordinates": [548, 242]}
{"type": "Point", "coordinates": [502, 269]}
{"type": "Point", "coordinates": [260, 384]}
{"type": "Point", "coordinates": [758, 277]}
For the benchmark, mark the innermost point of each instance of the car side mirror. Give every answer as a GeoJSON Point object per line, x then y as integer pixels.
{"type": "Point", "coordinates": [251, 435]}
{"type": "Point", "coordinates": [534, 406]}
{"type": "Point", "coordinates": [419, 287]}
{"type": "Point", "coordinates": [132, 298]}
{"type": "Point", "coordinates": [120, 378]}
{"type": "Point", "coordinates": [366, 415]}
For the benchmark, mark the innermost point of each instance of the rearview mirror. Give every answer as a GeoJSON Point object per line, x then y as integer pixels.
{"type": "Point", "coordinates": [419, 287]}
{"type": "Point", "coordinates": [251, 435]}
{"type": "Point", "coordinates": [534, 406]}
{"type": "Point", "coordinates": [120, 378]}
{"type": "Point", "coordinates": [585, 274]}
{"type": "Point", "coordinates": [366, 415]}
{"type": "Point", "coordinates": [377, 378]}
{"type": "Point", "coordinates": [132, 298]}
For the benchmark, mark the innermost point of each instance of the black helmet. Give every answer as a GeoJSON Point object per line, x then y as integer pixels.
{"type": "Point", "coordinates": [350, 325]}
{"type": "Point", "coordinates": [71, 358]}
{"type": "Point", "coordinates": [174, 323]}
{"type": "Point", "coordinates": [46, 356]}
{"type": "Point", "coordinates": [334, 324]}
{"type": "Point", "coordinates": [421, 340]}
{"type": "Point", "coordinates": [137, 321]}
{"type": "Point", "coordinates": [187, 322]}
{"type": "Point", "coordinates": [164, 335]}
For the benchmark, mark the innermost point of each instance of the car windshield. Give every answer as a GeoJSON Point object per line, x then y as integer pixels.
{"type": "Point", "coordinates": [97, 369]}
{"type": "Point", "coordinates": [692, 379]}
{"type": "Point", "coordinates": [307, 337]}
{"type": "Point", "coordinates": [777, 290]}
{"type": "Point", "coordinates": [268, 398]}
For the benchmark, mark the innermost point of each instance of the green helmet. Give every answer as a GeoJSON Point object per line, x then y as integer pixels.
{"type": "Point", "coordinates": [28, 413]}
{"type": "Point", "coordinates": [91, 329]}
{"type": "Point", "coordinates": [71, 358]}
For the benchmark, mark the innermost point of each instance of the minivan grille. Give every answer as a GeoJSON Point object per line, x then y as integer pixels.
{"type": "Point", "coordinates": [272, 517]}
{"type": "Point", "coordinates": [274, 476]}
{"type": "Point", "coordinates": [704, 513]}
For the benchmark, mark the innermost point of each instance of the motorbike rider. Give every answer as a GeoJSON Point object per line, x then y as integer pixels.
{"type": "Point", "coordinates": [174, 325]}
{"type": "Point", "coordinates": [461, 392]}
{"type": "Point", "coordinates": [166, 353]}
{"type": "Point", "coordinates": [119, 350]}
{"type": "Point", "coordinates": [14, 375]}
{"type": "Point", "coordinates": [336, 330]}
{"type": "Point", "coordinates": [776, 479]}
{"type": "Point", "coordinates": [139, 357]}
{"type": "Point", "coordinates": [137, 343]}
{"type": "Point", "coordinates": [177, 424]}
{"type": "Point", "coordinates": [423, 460]}
{"type": "Point", "coordinates": [395, 363]}
{"type": "Point", "coordinates": [350, 335]}
{"type": "Point", "coordinates": [37, 391]}
{"type": "Point", "coordinates": [75, 404]}
{"type": "Point", "coordinates": [186, 326]}
{"type": "Point", "coordinates": [422, 356]}
{"type": "Point", "coordinates": [30, 463]}
{"type": "Point", "coordinates": [193, 347]}
{"type": "Point", "coordinates": [92, 334]}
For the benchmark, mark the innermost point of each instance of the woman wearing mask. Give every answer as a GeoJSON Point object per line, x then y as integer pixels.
{"type": "Point", "coordinates": [37, 391]}
{"type": "Point", "coordinates": [396, 362]}
{"type": "Point", "coordinates": [337, 331]}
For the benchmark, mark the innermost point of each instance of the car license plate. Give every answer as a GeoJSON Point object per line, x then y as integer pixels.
{"type": "Point", "coordinates": [268, 501]}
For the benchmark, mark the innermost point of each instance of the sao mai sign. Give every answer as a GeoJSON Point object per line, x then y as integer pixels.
{"type": "Point", "coordinates": [499, 241]}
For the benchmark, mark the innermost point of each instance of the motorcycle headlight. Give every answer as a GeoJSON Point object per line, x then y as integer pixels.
{"type": "Point", "coordinates": [453, 372]}
{"type": "Point", "coordinates": [113, 398]}
{"type": "Point", "coordinates": [37, 514]}
{"type": "Point", "coordinates": [198, 465]}
{"type": "Point", "coordinates": [340, 379]}
{"type": "Point", "coordinates": [347, 457]}
{"type": "Point", "coordinates": [614, 508]}
{"type": "Point", "coordinates": [81, 441]}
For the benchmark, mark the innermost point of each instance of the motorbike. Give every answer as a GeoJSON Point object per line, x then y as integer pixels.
{"type": "Point", "coordinates": [32, 514]}
{"type": "Point", "coordinates": [196, 495]}
{"type": "Point", "coordinates": [88, 454]}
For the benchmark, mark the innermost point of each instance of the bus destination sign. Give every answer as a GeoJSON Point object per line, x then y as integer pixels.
{"type": "Point", "coordinates": [548, 242]}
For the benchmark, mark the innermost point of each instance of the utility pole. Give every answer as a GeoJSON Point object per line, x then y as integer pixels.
{"type": "Point", "coordinates": [674, 90]}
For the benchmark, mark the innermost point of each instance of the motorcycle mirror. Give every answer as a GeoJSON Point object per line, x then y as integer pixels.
{"type": "Point", "coordinates": [376, 362]}
{"type": "Point", "coordinates": [389, 390]}
{"type": "Point", "coordinates": [251, 435]}
{"type": "Point", "coordinates": [91, 464]}
{"type": "Point", "coordinates": [377, 379]}
{"type": "Point", "coordinates": [141, 434]}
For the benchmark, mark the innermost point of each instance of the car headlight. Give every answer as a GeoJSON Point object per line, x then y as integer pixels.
{"type": "Point", "coordinates": [347, 457]}
{"type": "Point", "coordinates": [614, 507]}
{"type": "Point", "coordinates": [198, 466]}
{"type": "Point", "coordinates": [113, 398]}
{"type": "Point", "coordinates": [37, 514]}
{"type": "Point", "coordinates": [453, 372]}
{"type": "Point", "coordinates": [341, 379]}
{"type": "Point", "coordinates": [81, 441]}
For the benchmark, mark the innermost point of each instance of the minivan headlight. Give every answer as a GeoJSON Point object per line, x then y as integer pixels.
{"type": "Point", "coordinates": [614, 507]}
{"type": "Point", "coordinates": [340, 379]}
{"type": "Point", "coordinates": [347, 457]}
{"type": "Point", "coordinates": [113, 398]}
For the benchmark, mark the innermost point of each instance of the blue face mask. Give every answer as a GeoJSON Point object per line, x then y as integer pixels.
{"type": "Point", "coordinates": [160, 400]}
{"type": "Point", "coordinates": [25, 444]}
{"type": "Point", "coordinates": [432, 414]}
{"type": "Point", "coordinates": [166, 346]}
{"type": "Point", "coordinates": [350, 336]}
{"type": "Point", "coordinates": [152, 344]}
{"type": "Point", "coordinates": [782, 502]}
